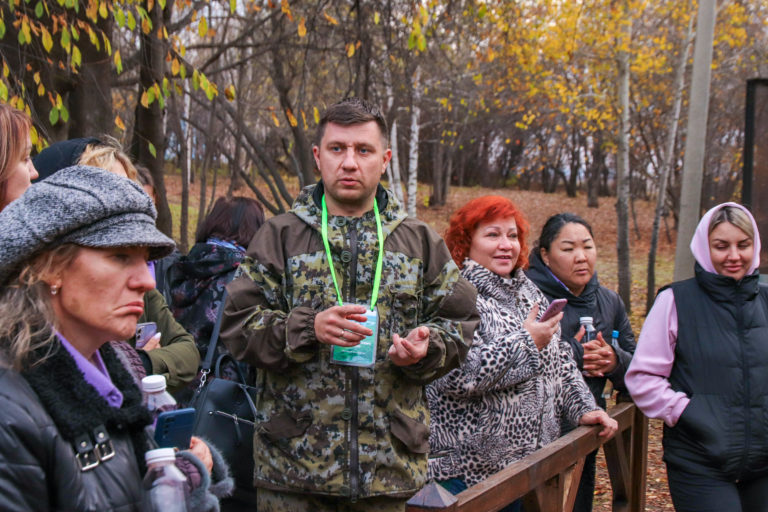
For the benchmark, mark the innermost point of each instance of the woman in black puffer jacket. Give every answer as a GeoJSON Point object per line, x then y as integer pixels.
{"type": "Point", "coordinates": [563, 267]}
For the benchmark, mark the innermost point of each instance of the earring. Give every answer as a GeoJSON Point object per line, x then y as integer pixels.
{"type": "Point", "coordinates": [54, 289]}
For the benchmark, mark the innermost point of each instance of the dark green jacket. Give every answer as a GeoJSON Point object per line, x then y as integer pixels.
{"type": "Point", "coordinates": [177, 357]}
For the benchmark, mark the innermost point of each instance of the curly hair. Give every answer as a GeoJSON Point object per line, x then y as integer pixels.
{"type": "Point", "coordinates": [465, 220]}
{"type": "Point", "coordinates": [25, 304]}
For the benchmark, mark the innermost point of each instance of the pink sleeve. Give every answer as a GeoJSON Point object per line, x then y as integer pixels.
{"type": "Point", "coordinates": [648, 375]}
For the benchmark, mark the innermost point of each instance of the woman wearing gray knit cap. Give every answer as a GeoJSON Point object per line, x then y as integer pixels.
{"type": "Point", "coordinates": [175, 355]}
{"type": "Point", "coordinates": [73, 274]}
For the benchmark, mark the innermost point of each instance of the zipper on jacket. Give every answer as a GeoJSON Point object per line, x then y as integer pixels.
{"type": "Point", "coordinates": [354, 449]}
{"type": "Point", "coordinates": [747, 391]}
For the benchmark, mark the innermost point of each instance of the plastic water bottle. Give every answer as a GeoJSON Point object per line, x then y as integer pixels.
{"type": "Point", "coordinates": [156, 398]}
{"type": "Point", "coordinates": [615, 339]}
{"type": "Point", "coordinates": [164, 484]}
{"type": "Point", "coordinates": [590, 333]}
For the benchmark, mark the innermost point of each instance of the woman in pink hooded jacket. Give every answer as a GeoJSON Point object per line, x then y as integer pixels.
{"type": "Point", "coordinates": [701, 365]}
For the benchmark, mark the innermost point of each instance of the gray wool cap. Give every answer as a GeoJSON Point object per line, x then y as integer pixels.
{"type": "Point", "coordinates": [82, 205]}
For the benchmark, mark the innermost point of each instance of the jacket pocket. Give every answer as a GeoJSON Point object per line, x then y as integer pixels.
{"type": "Point", "coordinates": [285, 425]}
{"type": "Point", "coordinates": [412, 433]}
{"type": "Point", "coordinates": [703, 426]}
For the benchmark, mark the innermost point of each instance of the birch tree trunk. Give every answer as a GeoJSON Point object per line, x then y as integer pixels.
{"type": "Point", "coordinates": [413, 147]}
{"type": "Point", "coordinates": [393, 170]}
{"type": "Point", "coordinates": [622, 171]}
{"type": "Point", "coordinates": [668, 158]}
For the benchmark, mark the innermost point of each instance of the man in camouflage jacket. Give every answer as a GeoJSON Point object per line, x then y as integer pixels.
{"type": "Point", "coordinates": [329, 434]}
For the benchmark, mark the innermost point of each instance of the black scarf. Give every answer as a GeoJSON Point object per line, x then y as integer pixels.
{"type": "Point", "coordinates": [77, 408]}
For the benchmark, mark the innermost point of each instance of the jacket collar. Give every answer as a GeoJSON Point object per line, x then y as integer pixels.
{"type": "Point", "coordinates": [727, 289]}
{"type": "Point", "coordinates": [539, 273]}
{"type": "Point", "coordinates": [308, 207]}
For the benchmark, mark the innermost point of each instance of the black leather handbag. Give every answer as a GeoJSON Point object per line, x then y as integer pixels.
{"type": "Point", "coordinates": [225, 412]}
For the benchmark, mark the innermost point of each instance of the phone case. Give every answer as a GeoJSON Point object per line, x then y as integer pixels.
{"type": "Point", "coordinates": [174, 428]}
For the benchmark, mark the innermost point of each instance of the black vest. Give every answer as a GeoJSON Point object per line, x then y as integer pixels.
{"type": "Point", "coordinates": [721, 363]}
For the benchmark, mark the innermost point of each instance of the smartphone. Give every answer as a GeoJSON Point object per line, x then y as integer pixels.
{"type": "Point", "coordinates": [174, 428]}
{"type": "Point", "coordinates": [144, 332]}
{"type": "Point", "coordinates": [554, 308]}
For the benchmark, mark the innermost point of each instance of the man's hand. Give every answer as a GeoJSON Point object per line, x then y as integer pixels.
{"type": "Point", "coordinates": [600, 417]}
{"type": "Point", "coordinates": [340, 325]}
{"type": "Point", "coordinates": [541, 332]}
{"type": "Point", "coordinates": [599, 358]}
{"type": "Point", "coordinates": [411, 349]}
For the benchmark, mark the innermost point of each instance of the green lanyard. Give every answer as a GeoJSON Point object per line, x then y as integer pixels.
{"type": "Point", "coordinates": [379, 262]}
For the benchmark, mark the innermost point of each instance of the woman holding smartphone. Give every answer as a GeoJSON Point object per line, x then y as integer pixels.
{"type": "Point", "coordinates": [518, 384]}
{"type": "Point", "coordinates": [563, 267]}
{"type": "Point", "coordinates": [702, 366]}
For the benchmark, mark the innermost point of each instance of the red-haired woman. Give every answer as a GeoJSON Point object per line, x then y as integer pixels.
{"type": "Point", "coordinates": [16, 169]}
{"type": "Point", "coordinates": [519, 382]}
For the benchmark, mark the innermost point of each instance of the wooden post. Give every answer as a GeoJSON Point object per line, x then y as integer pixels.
{"type": "Point", "coordinates": [639, 461]}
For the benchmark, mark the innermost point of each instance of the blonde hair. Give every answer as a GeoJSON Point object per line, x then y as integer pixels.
{"type": "Point", "coordinates": [25, 304]}
{"type": "Point", "coordinates": [735, 216]}
{"type": "Point", "coordinates": [14, 136]}
{"type": "Point", "coordinates": [105, 153]}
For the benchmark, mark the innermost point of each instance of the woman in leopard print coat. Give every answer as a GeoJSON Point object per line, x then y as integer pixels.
{"type": "Point", "coordinates": [519, 382]}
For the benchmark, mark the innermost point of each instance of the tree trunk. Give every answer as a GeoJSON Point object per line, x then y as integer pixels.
{"type": "Point", "coordinates": [90, 102]}
{"type": "Point", "coordinates": [148, 131]}
{"type": "Point", "coordinates": [622, 174]}
{"type": "Point", "coordinates": [693, 165]}
{"type": "Point", "coordinates": [438, 175]}
{"type": "Point", "coordinates": [668, 159]}
{"type": "Point", "coordinates": [175, 125]}
{"type": "Point", "coordinates": [393, 169]}
{"type": "Point", "coordinates": [413, 147]}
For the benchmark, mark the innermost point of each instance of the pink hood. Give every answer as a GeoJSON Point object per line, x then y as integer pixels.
{"type": "Point", "coordinates": [700, 241]}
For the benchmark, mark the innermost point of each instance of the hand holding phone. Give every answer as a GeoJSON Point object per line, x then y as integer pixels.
{"type": "Point", "coordinates": [174, 428]}
{"type": "Point", "coordinates": [555, 307]}
{"type": "Point", "coordinates": [144, 332]}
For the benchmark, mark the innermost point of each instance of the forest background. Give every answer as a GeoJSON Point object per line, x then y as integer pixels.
{"type": "Point", "coordinates": [559, 104]}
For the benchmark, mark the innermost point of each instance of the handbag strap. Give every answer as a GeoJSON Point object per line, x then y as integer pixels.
{"type": "Point", "coordinates": [214, 336]}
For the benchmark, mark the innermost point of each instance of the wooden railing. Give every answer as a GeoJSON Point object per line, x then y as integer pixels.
{"type": "Point", "coordinates": [548, 478]}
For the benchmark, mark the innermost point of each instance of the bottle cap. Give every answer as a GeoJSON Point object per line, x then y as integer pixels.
{"type": "Point", "coordinates": [160, 455]}
{"type": "Point", "coordinates": [153, 383]}
{"type": "Point", "coordinates": [615, 334]}
{"type": "Point", "coordinates": [585, 319]}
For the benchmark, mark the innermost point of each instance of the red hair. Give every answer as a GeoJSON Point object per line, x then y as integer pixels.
{"type": "Point", "coordinates": [464, 222]}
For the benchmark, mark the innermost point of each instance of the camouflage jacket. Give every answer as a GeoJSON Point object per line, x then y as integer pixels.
{"type": "Point", "coordinates": [340, 430]}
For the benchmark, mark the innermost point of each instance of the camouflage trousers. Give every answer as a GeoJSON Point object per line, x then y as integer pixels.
{"type": "Point", "coordinates": [278, 501]}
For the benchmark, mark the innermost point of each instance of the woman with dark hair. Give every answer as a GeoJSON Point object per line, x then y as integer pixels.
{"type": "Point", "coordinates": [701, 366]}
{"type": "Point", "coordinates": [519, 383]}
{"type": "Point", "coordinates": [16, 168]}
{"type": "Point", "coordinates": [196, 281]}
{"type": "Point", "coordinates": [563, 267]}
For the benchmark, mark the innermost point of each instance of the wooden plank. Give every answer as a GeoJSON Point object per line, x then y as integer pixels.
{"type": "Point", "coordinates": [573, 477]}
{"type": "Point", "coordinates": [519, 478]}
{"type": "Point", "coordinates": [548, 478]}
{"type": "Point", "coordinates": [617, 460]}
{"type": "Point", "coordinates": [638, 462]}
